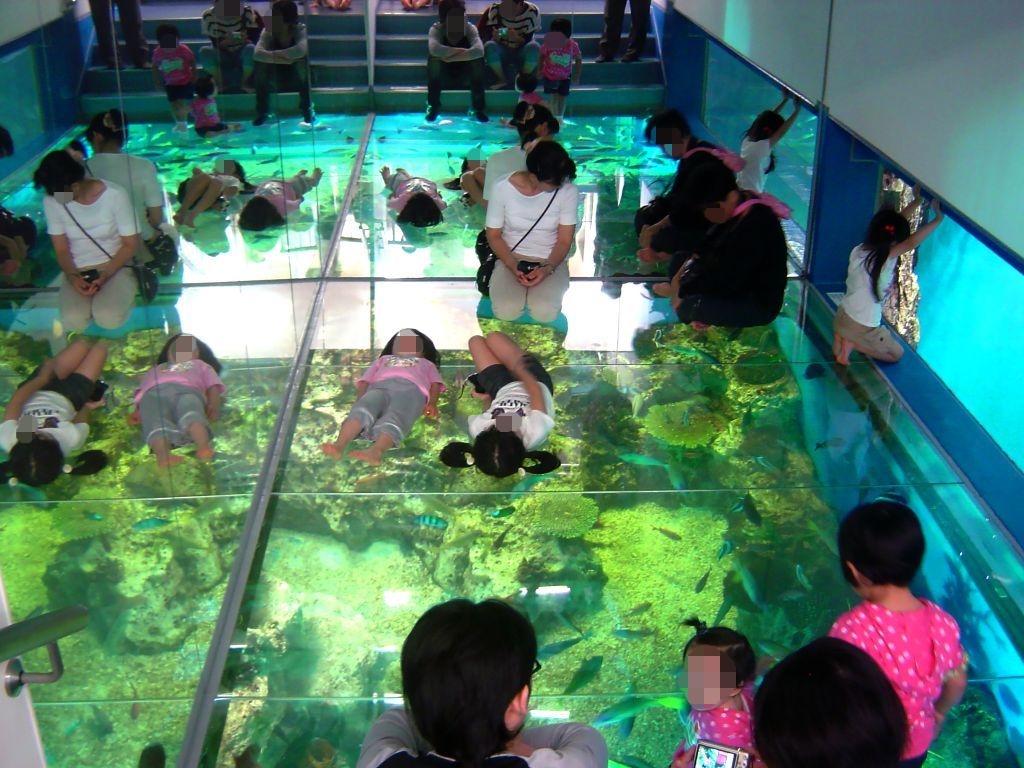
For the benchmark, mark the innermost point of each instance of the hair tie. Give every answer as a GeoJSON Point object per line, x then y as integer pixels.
{"type": "Point", "coordinates": [66, 469]}
{"type": "Point", "coordinates": [890, 229]}
{"type": "Point", "coordinates": [702, 627]}
{"type": "Point", "coordinates": [12, 482]}
{"type": "Point", "coordinates": [521, 471]}
{"type": "Point", "coordinates": [470, 460]}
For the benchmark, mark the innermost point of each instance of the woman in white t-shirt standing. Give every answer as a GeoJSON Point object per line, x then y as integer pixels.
{"type": "Point", "coordinates": [518, 411]}
{"type": "Point", "coordinates": [858, 322]}
{"type": "Point", "coordinates": [92, 225]}
{"type": "Point", "coordinates": [531, 221]}
{"type": "Point", "coordinates": [760, 139]}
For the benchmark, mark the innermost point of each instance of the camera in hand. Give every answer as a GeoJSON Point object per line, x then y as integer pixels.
{"type": "Point", "coordinates": [90, 275]}
{"type": "Point", "coordinates": [526, 267]}
{"type": "Point", "coordinates": [712, 755]}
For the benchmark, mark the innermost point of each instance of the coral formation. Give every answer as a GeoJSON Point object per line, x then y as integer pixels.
{"type": "Point", "coordinates": [683, 424]}
{"type": "Point", "coordinates": [564, 515]}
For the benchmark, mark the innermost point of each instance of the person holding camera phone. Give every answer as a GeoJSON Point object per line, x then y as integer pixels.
{"type": "Point", "coordinates": [531, 221]}
{"type": "Point", "coordinates": [95, 236]}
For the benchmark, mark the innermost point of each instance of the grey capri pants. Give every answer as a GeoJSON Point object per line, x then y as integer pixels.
{"type": "Point", "coordinates": [389, 407]}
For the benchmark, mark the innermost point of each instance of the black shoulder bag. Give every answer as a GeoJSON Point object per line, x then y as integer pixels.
{"type": "Point", "coordinates": [145, 276]}
{"type": "Point", "coordinates": [486, 254]}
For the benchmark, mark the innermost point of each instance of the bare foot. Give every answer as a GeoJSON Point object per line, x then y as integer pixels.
{"type": "Point", "coordinates": [370, 456]}
{"type": "Point", "coordinates": [204, 454]}
{"type": "Point", "coordinates": [332, 450]}
{"type": "Point", "coordinates": [845, 348]}
{"type": "Point", "coordinates": [170, 461]}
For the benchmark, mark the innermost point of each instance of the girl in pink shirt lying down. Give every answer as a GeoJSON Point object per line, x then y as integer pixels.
{"type": "Point", "coordinates": [274, 199]}
{"type": "Point", "coordinates": [413, 198]}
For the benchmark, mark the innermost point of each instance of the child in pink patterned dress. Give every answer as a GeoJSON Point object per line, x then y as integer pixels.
{"type": "Point", "coordinates": [560, 63]}
{"type": "Point", "coordinates": [204, 110]}
{"type": "Point", "coordinates": [178, 398]}
{"type": "Point", "coordinates": [720, 670]}
{"type": "Point", "coordinates": [274, 199]}
{"type": "Point", "coordinates": [174, 69]}
{"type": "Point", "coordinates": [916, 643]}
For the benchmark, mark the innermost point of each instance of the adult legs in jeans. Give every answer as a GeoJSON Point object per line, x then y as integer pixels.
{"type": "Point", "coordinates": [268, 76]}
{"type": "Point", "coordinates": [614, 12]}
{"type": "Point", "coordinates": [502, 59]}
{"type": "Point", "coordinates": [230, 69]}
{"type": "Point", "coordinates": [130, 16]}
{"type": "Point", "coordinates": [455, 71]}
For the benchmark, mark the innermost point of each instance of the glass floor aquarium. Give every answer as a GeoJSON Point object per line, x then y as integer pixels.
{"type": "Point", "coordinates": [253, 607]}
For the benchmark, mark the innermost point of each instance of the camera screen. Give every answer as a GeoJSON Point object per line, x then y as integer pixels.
{"type": "Point", "coordinates": [711, 757]}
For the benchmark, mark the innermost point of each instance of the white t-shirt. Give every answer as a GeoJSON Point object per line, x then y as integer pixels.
{"type": "Point", "coordinates": [860, 302]}
{"type": "Point", "coordinates": [534, 427]}
{"type": "Point", "coordinates": [42, 406]}
{"type": "Point", "coordinates": [109, 218]}
{"type": "Point", "coordinates": [514, 213]}
{"type": "Point", "coordinates": [500, 165]}
{"type": "Point", "coordinates": [137, 176]}
{"type": "Point", "coordinates": [757, 155]}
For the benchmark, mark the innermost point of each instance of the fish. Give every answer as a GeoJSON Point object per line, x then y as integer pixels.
{"type": "Point", "coordinates": [698, 353]}
{"type": "Point", "coordinates": [832, 442]}
{"type": "Point", "coordinates": [802, 578]}
{"type": "Point", "coordinates": [586, 672]}
{"type": "Point", "coordinates": [643, 607]}
{"type": "Point", "coordinates": [727, 547]}
{"type": "Point", "coordinates": [500, 541]}
{"type": "Point", "coordinates": [749, 584]}
{"type": "Point", "coordinates": [722, 611]}
{"type": "Point", "coordinates": [632, 634]}
{"type": "Point", "coordinates": [430, 521]}
{"type": "Point", "coordinates": [101, 723]}
{"type": "Point", "coordinates": [702, 582]}
{"type": "Point", "coordinates": [792, 595]}
{"type": "Point", "coordinates": [136, 704]}
{"type": "Point", "coordinates": [641, 460]}
{"type": "Point", "coordinates": [637, 403]}
{"type": "Point", "coordinates": [814, 371]}
{"type": "Point", "coordinates": [763, 462]}
{"type": "Point", "coordinates": [630, 706]}
{"type": "Point", "coordinates": [150, 524]}
{"type": "Point", "coordinates": [527, 483]}
{"type": "Point", "coordinates": [669, 534]}
{"type": "Point", "coordinates": [828, 541]}
{"type": "Point", "coordinates": [552, 649]}
{"type": "Point", "coordinates": [501, 512]}
{"type": "Point", "coordinates": [93, 516]}
{"type": "Point", "coordinates": [747, 506]}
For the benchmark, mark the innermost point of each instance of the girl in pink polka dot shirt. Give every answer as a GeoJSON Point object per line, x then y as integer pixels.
{"type": "Point", "coordinates": [916, 643]}
{"type": "Point", "coordinates": [720, 671]}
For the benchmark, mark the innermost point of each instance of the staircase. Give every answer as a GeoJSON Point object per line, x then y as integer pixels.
{"type": "Point", "coordinates": [341, 66]}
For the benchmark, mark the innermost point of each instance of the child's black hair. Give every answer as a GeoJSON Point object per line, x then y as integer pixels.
{"type": "Point", "coordinates": [57, 172]}
{"type": "Point", "coordinates": [666, 120]}
{"type": "Point", "coordinates": [76, 145]}
{"type": "Point", "coordinates": [428, 349]}
{"type": "Point", "coordinates": [259, 214]}
{"type": "Point", "coordinates": [519, 115]}
{"type": "Point", "coordinates": [883, 540]}
{"type": "Point", "coordinates": [540, 115]}
{"type": "Point", "coordinates": [40, 461]}
{"type": "Point", "coordinates": [549, 162]}
{"type": "Point", "coordinates": [707, 185]}
{"type": "Point", "coordinates": [499, 454]}
{"type": "Point", "coordinates": [887, 227]}
{"type": "Point", "coordinates": [111, 125]}
{"type": "Point", "coordinates": [247, 188]}
{"type": "Point", "coordinates": [420, 210]}
{"type": "Point", "coordinates": [463, 664]}
{"type": "Point", "coordinates": [205, 353]}
{"type": "Point", "coordinates": [764, 127]}
{"type": "Point", "coordinates": [733, 645]}
{"type": "Point", "coordinates": [167, 30]}
{"type": "Point", "coordinates": [563, 25]}
{"type": "Point", "coordinates": [526, 83]}
{"type": "Point", "coordinates": [204, 86]}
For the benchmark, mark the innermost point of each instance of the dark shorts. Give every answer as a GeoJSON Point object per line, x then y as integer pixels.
{"type": "Point", "coordinates": [76, 388]}
{"type": "Point", "coordinates": [492, 378]}
{"type": "Point", "coordinates": [561, 87]}
{"type": "Point", "coordinates": [180, 92]}
{"type": "Point", "coordinates": [208, 129]}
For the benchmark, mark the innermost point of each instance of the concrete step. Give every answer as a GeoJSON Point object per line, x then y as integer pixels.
{"type": "Point", "coordinates": [608, 75]}
{"type": "Point", "coordinates": [400, 22]}
{"type": "Point", "coordinates": [320, 46]}
{"type": "Point", "coordinates": [411, 46]}
{"type": "Point", "coordinates": [585, 100]}
{"type": "Point", "coordinates": [190, 24]}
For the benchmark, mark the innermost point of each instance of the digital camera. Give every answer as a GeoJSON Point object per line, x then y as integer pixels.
{"type": "Point", "coordinates": [712, 755]}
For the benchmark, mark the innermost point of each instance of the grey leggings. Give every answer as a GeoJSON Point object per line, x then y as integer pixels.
{"type": "Point", "coordinates": [168, 410]}
{"type": "Point", "coordinates": [389, 407]}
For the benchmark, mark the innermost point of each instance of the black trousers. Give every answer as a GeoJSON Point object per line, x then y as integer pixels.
{"type": "Point", "coordinates": [614, 11]}
{"type": "Point", "coordinates": [731, 312]}
{"type": "Point", "coordinates": [267, 76]}
{"type": "Point", "coordinates": [130, 15]}
{"type": "Point", "coordinates": [439, 71]}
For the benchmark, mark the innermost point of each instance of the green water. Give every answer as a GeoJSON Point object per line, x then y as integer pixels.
{"type": "Point", "coordinates": [698, 472]}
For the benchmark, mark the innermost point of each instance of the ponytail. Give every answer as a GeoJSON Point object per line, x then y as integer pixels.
{"type": "Point", "coordinates": [499, 454]}
{"type": "Point", "coordinates": [887, 228]}
{"type": "Point", "coordinates": [40, 462]}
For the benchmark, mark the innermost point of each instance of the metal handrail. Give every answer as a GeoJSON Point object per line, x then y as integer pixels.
{"type": "Point", "coordinates": [40, 631]}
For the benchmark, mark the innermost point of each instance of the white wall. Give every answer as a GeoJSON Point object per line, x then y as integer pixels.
{"type": "Point", "coordinates": [938, 85]}
{"type": "Point", "coordinates": [785, 37]}
{"type": "Point", "coordinates": [18, 18]}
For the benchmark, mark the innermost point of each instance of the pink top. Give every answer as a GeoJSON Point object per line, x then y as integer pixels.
{"type": "Point", "coordinates": [723, 725]}
{"type": "Point", "coordinates": [205, 112]}
{"type": "Point", "coordinates": [411, 186]}
{"type": "Point", "coordinates": [916, 650]}
{"type": "Point", "coordinates": [281, 194]}
{"type": "Point", "coordinates": [175, 64]}
{"type": "Point", "coordinates": [194, 374]}
{"type": "Point", "coordinates": [418, 370]}
{"type": "Point", "coordinates": [531, 98]}
{"type": "Point", "coordinates": [556, 63]}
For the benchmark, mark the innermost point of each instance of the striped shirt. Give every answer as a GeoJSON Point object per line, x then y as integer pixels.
{"type": "Point", "coordinates": [216, 27]}
{"type": "Point", "coordinates": [525, 24]}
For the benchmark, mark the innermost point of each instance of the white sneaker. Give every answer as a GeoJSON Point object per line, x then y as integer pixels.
{"type": "Point", "coordinates": [307, 123]}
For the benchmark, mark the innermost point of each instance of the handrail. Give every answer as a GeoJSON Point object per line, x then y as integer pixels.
{"type": "Point", "coordinates": [41, 631]}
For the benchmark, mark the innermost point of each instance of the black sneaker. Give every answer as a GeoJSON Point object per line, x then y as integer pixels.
{"type": "Point", "coordinates": [630, 57]}
{"type": "Point", "coordinates": [99, 391]}
{"type": "Point", "coordinates": [453, 184]}
{"type": "Point", "coordinates": [260, 120]}
{"type": "Point", "coordinates": [482, 117]}
{"type": "Point", "coordinates": [432, 113]}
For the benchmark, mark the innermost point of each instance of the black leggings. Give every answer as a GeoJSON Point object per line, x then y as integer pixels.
{"type": "Point", "coordinates": [731, 312]}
